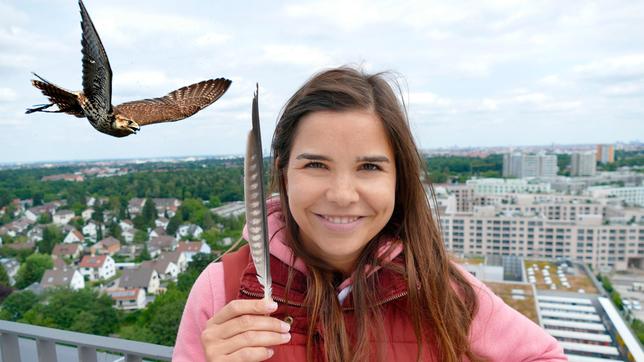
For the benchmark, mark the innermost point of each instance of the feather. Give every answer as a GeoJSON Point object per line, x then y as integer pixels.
{"type": "Point", "coordinates": [256, 204]}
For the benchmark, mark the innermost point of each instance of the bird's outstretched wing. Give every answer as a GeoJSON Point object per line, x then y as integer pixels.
{"type": "Point", "coordinates": [176, 105]}
{"type": "Point", "coordinates": [97, 74]}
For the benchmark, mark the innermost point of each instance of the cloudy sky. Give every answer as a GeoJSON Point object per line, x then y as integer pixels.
{"type": "Point", "coordinates": [474, 73]}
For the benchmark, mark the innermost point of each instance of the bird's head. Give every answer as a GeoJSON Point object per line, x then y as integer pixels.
{"type": "Point", "coordinates": [125, 124]}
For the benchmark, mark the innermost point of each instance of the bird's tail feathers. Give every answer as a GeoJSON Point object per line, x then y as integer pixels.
{"type": "Point", "coordinates": [66, 101]}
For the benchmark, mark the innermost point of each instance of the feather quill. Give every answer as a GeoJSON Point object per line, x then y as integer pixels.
{"type": "Point", "coordinates": [255, 203]}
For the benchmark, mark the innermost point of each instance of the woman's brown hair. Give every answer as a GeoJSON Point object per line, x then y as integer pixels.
{"type": "Point", "coordinates": [442, 301]}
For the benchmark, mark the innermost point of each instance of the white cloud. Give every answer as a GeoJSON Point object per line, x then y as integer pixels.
{"type": "Point", "coordinates": [7, 95]}
{"type": "Point", "coordinates": [625, 89]}
{"type": "Point", "coordinates": [296, 55]}
{"type": "Point", "coordinates": [553, 81]}
{"type": "Point", "coordinates": [428, 99]}
{"type": "Point", "coordinates": [616, 67]}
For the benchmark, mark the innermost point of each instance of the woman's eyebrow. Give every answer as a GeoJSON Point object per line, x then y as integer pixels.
{"type": "Point", "coordinates": [313, 157]}
{"type": "Point", "coordinates": [372, 159]}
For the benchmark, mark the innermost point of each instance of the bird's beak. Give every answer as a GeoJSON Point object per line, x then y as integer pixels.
{"type": "Point", "coordinates": [134, 127]}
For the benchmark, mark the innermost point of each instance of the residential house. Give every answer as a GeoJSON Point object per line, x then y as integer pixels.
{"type": "Point", "coordinates": [167, 206]}
{"type": "Point", "coordinates": [74, 236]}
{"type": "Point", "coordinates": [63, 277]}
{"type": "Point", "coordinates": [135, 206]}
{"type": "Point", "coordinates": [130, 251]}
{"type": "Point", "coordinates": [126, 224]}
{"type": "Point", "coordinates": [189, 231]}
{"type": "Point", "coordinates": [109, 246]}
{"type": "Point", "coordinates": [62, 217]}
{"type": "Point", "coordinates": [70, 251]}
{"type": "Point", "coordinates": [87, 214]}
{"type": "Point", "coordinates": [128, 299]}
{"type": "Point", "coordinates": [18, 227]}
{"type": "Point", "coordinates": [36, 233]}
{"type": "Point", "coordinates": [64, 177]}
{"type": "Point", "coordinates": [163, 243]}
{"type": "Point", "coordinates": [109, 217]}
{"type": "Point", "coordinates": [90, 230]}
{"type": "Point", "coordinates": [161, 222]}
{"type": "Point", "coordinates": [91, 201]}
{"type": "Point", "coordinates": [168, 264]}
{"type": "Point", "coordinates": [128, 235]}
{"type": "Point", "coordinates": [156, 232]}
{"type": "Point", "coordinates": [11, 266]}
{"type": "Point", "coordinates": [190, 248]}
{"type": "Point", "coordinates": [142, 277]}
{"type": "Point", "coordinates": [97, 267]}
{"type": "Point", "coordinates": [50, 208]}
{"type": "Point", "coordinates": [29, 245]}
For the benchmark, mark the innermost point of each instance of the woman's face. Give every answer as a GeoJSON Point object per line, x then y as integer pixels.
{"type": "Point", "coordinates": [341, 183]}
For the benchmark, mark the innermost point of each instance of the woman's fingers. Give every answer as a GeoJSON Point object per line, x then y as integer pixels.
{"type": "Point", "coordinates": [250, 354]}
{"type": "Point", "coordinates": [240, 307]}
{"type": "Point", "coordinates": [250, 322]}
{"type": "Point", "coordinates": [255, 339]}
{"type": "Point", "coordinates": [242, 331]}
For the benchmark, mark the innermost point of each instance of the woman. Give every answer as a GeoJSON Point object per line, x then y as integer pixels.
{"type": "Point", "coordinates": [359, 268]}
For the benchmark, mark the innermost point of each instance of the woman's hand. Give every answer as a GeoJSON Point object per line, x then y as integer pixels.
{"type": "Point", "coordinates": [243, 331]}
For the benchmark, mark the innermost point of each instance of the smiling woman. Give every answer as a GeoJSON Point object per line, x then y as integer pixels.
{"type": "Point", "coordinates": [359, 269]}
{"type": "Point", "coordinates": [340, 183]}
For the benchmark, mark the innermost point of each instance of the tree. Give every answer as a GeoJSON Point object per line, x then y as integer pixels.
{"type": "Point", "coordinates": [51, 236]}
{"type": "Point", "coordinates": [145, 254]}
{"type": "Point", "coordinates": [45, 218]}
{"type": "Point", "coordinates": [99, 232]}
{"type": "Point", "coordinates": [214, 201]}
{"type": "Point", "coordinates": [4, 277]}
{"type": "Point", "coordinates": [5, 291]}
{"type": "Point", "coordinates": [115, 231]}
{"type": "Point", "coordinates": [173, 224]}
{"type": "Point", "coordinates": [149, 212]}
{"type": "Point", "coordinates": [38, 198]}
{"type": "Point", "coordinates": [140, 236]}
{"type": "Point", "coordinates": [33, 269]}
{"type": "Point", "coordinates": [83, 310]}
{"type": "Point", "coordinates": [17, 304]}
{"type": "Point", "coordinates": [97, 215]}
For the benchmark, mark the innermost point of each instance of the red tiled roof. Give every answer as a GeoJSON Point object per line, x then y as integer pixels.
{"type": "Point", "coordinates": [65, 249]}
{"type": "Point", "coordinates": [93, 261]}
{"type": "Point", "coordinates": [124, 294]}
{"type": "Point", "coordinates": [193, 246]}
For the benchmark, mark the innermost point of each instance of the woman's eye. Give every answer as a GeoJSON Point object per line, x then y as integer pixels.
{"type": "Point", "coordinates": [370, 167]}
{"type": "Point", "coordinates": [315, 165]}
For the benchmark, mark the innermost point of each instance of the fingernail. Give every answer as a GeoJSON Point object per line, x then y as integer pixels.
{"type": "Point", "coordinates": [285, 326]}
{"type": "Point", "coordinates": [270, 353]}
{"type": "Point", "coordinates": [286, 337]}
{"type": "Point", "coordinates": [271, 306]}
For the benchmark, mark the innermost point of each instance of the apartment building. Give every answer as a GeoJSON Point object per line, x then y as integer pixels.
{"type": "Point", "coordinates": [583, 164]}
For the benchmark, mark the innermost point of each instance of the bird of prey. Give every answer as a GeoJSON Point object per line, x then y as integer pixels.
{"type": "Point", "coordinates": [95, 100]}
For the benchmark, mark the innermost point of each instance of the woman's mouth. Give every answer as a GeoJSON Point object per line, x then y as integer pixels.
{"type": "Point", "coordinates": [340, 223]}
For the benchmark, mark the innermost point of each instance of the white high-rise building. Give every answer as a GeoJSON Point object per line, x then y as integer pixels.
{"type": "Point", "coordinates": [583, 164]}
{"type": "Point", "coordinates": [547, 165]}
{"type": "Point", "coordinates": [522, 165]}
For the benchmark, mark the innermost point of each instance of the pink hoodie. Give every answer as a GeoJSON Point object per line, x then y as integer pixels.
{"type": "Point", "coordinates": [497, 332]}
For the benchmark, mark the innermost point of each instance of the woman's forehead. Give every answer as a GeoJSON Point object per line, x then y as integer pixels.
{"type": "Point", "coordinates": [334, 131]}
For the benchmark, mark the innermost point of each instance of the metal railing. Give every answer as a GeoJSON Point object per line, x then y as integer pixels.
{"type": "Point", "coordinates": [24, 342]}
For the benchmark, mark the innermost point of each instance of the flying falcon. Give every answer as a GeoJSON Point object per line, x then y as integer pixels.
{"type": "Point", "coordinates": [95, 100]}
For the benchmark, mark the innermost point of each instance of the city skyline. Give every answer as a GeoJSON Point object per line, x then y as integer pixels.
{"type": "Point", "coordinates": [481, 75]}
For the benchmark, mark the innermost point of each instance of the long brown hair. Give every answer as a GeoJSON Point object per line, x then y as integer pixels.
{"type": "Point", "coordinates": [439, 315]}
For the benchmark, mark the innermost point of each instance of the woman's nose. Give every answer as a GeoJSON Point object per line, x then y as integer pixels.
{"type": "Point", "coordinates": [342, 191]}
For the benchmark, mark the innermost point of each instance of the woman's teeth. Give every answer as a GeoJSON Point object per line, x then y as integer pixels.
{"type": "Point", "coordinates": [341, 219]}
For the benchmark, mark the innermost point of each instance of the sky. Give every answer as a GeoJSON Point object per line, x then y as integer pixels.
{"type": "Point", "coordinates": [472, 73]}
